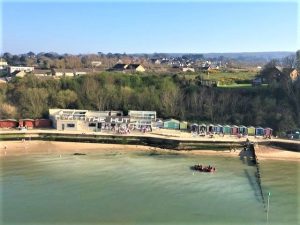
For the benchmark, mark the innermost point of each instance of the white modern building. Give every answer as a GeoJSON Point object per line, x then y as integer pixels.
{"type": "Point", "coordinates": [85, 120]}
{"type": "Point", "coordinates": [142, 118]}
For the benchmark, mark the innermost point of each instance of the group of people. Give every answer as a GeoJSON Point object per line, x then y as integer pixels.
{"type": "Point", "coordinates": [204, 168]}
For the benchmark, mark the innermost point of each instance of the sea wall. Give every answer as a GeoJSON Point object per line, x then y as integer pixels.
{"type": "Point", "coordinates": [291, 146]}
{"type": "Point", "coordinates": [159, 142]}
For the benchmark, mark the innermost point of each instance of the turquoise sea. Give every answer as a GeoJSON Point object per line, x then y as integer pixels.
{"type": "Point", "coordinates": [115, 187]}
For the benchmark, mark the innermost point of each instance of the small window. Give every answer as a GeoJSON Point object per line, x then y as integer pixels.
{"type": "Point", "coordinates": [70, 125]}
{"type": "Point", "coordinates": [92, 124]}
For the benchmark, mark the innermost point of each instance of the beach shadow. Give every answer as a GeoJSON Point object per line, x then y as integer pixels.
{"type": "Point", "coordinates": [253, 183]}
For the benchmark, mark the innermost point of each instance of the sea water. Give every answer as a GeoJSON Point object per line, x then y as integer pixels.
{"type": "Point", "coordinates": [116, 187]}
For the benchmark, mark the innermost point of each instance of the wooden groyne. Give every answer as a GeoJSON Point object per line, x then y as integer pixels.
{"type": "Point", "coordinates": [258, 173]}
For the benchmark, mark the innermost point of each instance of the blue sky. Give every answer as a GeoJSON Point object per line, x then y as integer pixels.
{"type": "Point", "coordinates": [144, 27]}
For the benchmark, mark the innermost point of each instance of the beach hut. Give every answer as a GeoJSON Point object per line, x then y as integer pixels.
{"type": "Point", "coordinates": [159, 123]}
{"type": "Point", "coordinates": [268, 131]}
{"type": "Point", "coordinates": [297, 135]}
{"type": "Point", "coordinates": [251, 131]}
{"type": "Point", "coordinates": [8, 123]}
{"type": "Point", "coordinates": [42, 123]}
{"type": "Point", "coordinates": [259, 131]}
{"type": "Point", "coordinates": [234, 130]}
{"type": "Point", "coordinates": [202, 128]}
{"type": "Point", "coordinates": [293, 134]}
{"type": "Point", "coordinates": [210, 128]}
{"type": "Point", "coordinates": [171, 124]}
{"type": "Point", "coordinates": [226, 129]}
{"type": "Point", "coordinates": [195, 128]}
{"type": "Point", "coordinates": [242, 130]}
{"type": "Point", "coordinates": [29, 123]}
{"type": "Point", "coordinates": [220, 129]}
{"type": "Point", "coordinates": [183, 125]}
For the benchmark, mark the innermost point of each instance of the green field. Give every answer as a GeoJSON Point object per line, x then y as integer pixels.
{"type": "Point", "coordinates": [219, 76]}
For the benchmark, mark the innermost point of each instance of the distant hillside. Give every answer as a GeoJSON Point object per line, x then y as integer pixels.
{"type": "Point", "coordinates": [249, 55]}
{"type": "Point", "coordinates": [241, 56]}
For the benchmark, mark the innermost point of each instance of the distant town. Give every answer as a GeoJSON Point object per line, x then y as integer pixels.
{"type": "Point", "coordinates": [237, 69]}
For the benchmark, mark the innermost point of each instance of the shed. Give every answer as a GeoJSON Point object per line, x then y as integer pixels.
{"type": "Point", "coordinates": [8, 123]}
{"type": "Point", "coordinates": [42, 123]}
{"type": "Point", "coordinates": [251, 131]}
{"type": "Point", "coordinates": [202, 128]}
{"type": "Point", "coordinates": [242, 130]}
{"type": "Point", "coordinates": [234, 130]}
{"type": "Point", "coordinates": [268, 131]}
{"type": "Point", "coordinates": [259, 131]}
{"type": "Point", "coordinates": [226, 129]}
{"type": "Point", "coordinates": [195, 128]}
{"type": "Point", "coordinates": [183, 125]}
{"type": "Point", "coordinates": [171, 124]}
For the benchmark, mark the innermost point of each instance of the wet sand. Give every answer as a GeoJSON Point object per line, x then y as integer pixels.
{"type": "Point", "coordinates": [8, 148]}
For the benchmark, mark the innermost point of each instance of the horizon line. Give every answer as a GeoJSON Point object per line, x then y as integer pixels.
{"type": "Point", "coordinates": [149, 53]}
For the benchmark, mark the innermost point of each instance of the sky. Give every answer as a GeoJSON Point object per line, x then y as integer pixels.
{"type": "Point", "coordinates": [146, 27]}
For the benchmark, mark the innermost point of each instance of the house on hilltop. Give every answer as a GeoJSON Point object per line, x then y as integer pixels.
{"type": "Point", "coordinates": [119, 67]}
{"type": "Point", "coordinates": [279, 74]}
{"type": "Point", "coordinates": [18, 73]}
{"type": "Point", "coordinates": [135, 68]}
{"type": "Point", "coordinates": [291, 72]}
{"type": "Point", "coordinates": [127, 67]}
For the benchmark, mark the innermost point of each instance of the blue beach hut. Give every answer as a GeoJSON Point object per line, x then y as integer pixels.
{"type": "Point", "coordinates": [242, 130]}
{"type": "Point", "coordinates": [218, 129]}
{"type": "Point", "coordinates": [259, 131]}
{"type": "Point", "coordinates": [195, 128]}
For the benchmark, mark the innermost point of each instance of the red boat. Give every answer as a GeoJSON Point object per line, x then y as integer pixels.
{"type": "Point", "coordinates": [201, 168]}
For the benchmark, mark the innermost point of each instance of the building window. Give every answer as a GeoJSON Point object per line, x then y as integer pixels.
{"type": "Point", "coordinates": [92, 124]}
{"type": "Point", "coordinates": [70, 125]}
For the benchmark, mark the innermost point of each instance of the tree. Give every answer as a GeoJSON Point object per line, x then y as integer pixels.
{"type": "Point", "coordinates": [289, 61]}
{"type": "Point", "coordinates": [7, 111]}
{"type": "Point", "coordinates": [298, 60]}
{"type": "Point", "coordinates": [66, 98]}
{"type": "Point", "coordinates": [33, 103]}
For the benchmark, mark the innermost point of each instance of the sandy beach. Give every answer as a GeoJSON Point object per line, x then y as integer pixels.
{"type": "Point", "coordinates": [267, 153]}
{"type": "Point", "coordinates": [9, 148]}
